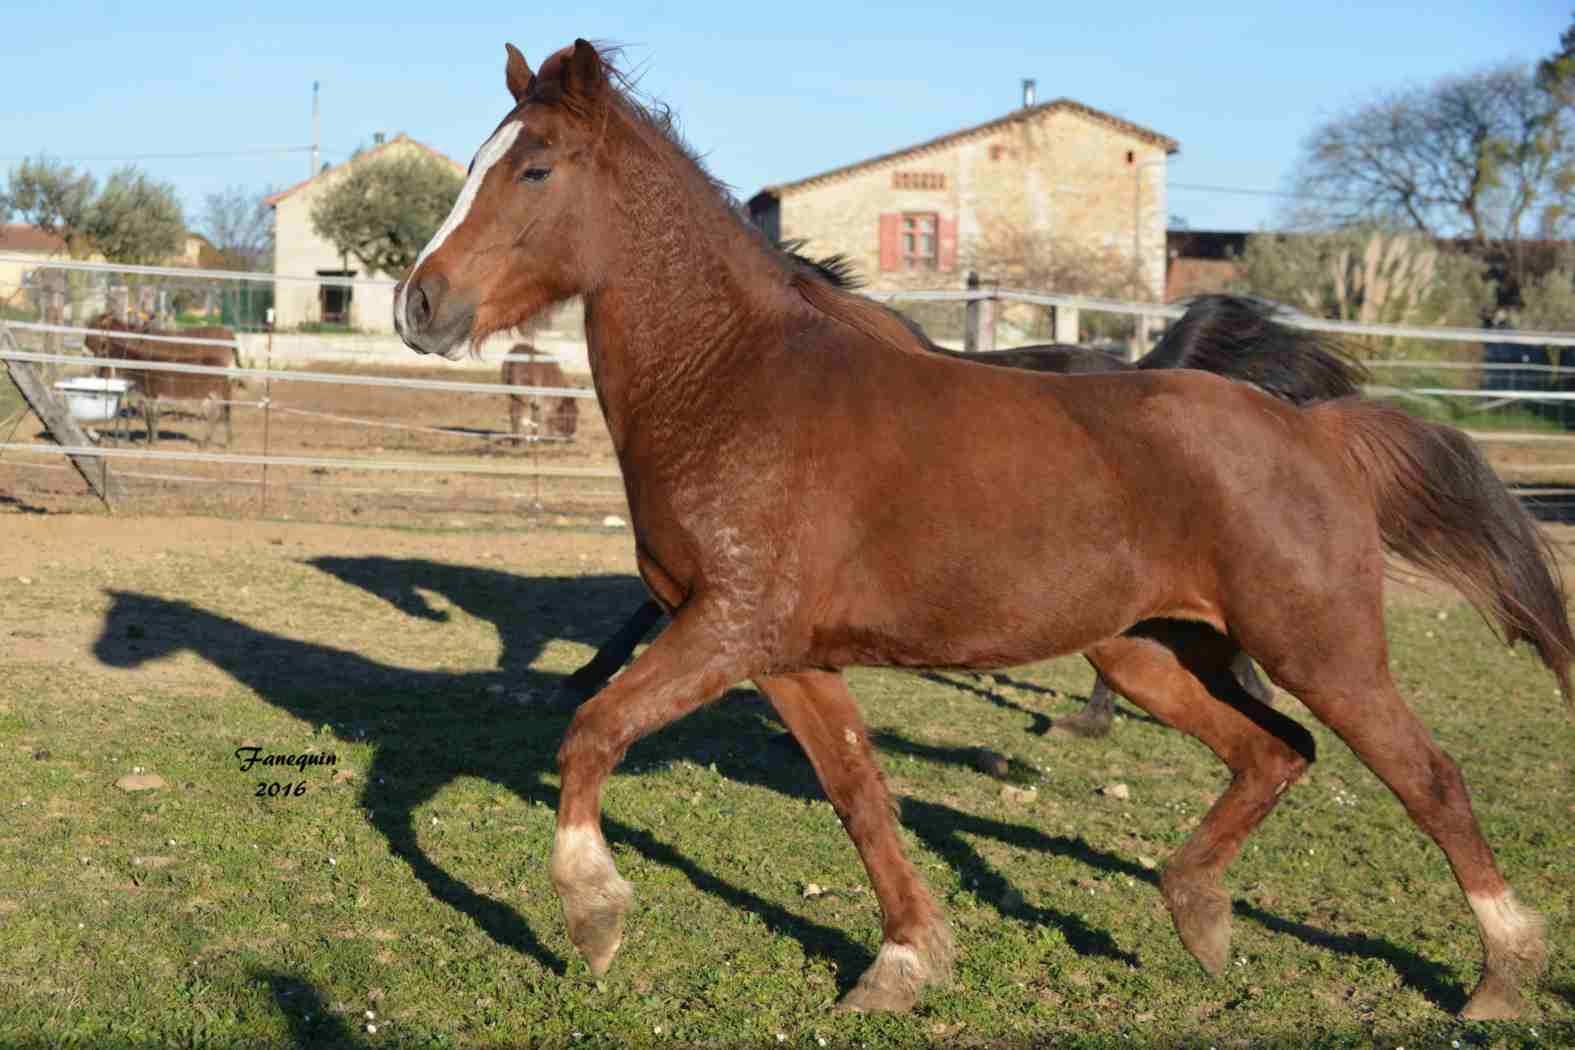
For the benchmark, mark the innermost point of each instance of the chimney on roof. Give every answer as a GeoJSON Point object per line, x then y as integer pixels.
{"type": "Point", "coordinates": [1029, 94]}
{"type": "Point", "coordinates": [377, 138]}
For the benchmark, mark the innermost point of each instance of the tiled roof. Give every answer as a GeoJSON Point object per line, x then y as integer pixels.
{"type": "Point", "coordinates": [274, 199]}
{"type": "Point", "coordinates": [1169, 144]}
{"type": "Point", "coordinates": [19, 237]}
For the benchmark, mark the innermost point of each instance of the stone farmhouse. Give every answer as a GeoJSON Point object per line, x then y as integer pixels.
{"type": "Point", "coordinates": [28, 246]}
{"type": "Point", "coordinates": [300, 252]}
{"type": "Point", "coordinates": [906, 219]}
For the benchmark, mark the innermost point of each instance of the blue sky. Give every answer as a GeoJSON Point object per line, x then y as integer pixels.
{"type": "Point", "coordinates": [768, 93]}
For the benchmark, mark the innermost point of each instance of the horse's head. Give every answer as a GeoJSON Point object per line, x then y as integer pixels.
{"type": "Point", "coordinates": [140, 627]}
{"type": "Point", "coordinates": [520, 236]}
{"type": "Point", "coordinates": [103, 345]}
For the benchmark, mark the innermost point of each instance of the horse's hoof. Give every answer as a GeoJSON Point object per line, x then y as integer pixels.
{"type": "Point", "coordinates": [1495, 999]}
{"type": "Point", "coordinates": [891, 984]}
{"type": "Point", "coordinates": [595, 897]}
{"type": "Point", "coordinates": [1088, 723]}
{"type": "Point", "coordinates": [1201, 914]}
{"type": "Point", "coordinates": [901, 972]}
{"type": "Point", "coordinates": [595, 922]}
{"type": "Point", "coordinates": [1516, 955]}
{"type": "Point", "coordinates": [598, 937]}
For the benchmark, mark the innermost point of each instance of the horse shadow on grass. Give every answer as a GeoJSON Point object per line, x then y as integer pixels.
{"type": "Point", "coordinates": [429, 728]}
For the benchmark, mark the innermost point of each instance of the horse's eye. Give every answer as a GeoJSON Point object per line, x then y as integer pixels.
{"type": "Point", "coordinates": [535, 174]}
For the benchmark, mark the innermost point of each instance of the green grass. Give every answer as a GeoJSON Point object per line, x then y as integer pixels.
{"type": "Point", "coordinates": [1469, 415]}
{"type": "Point", "coordinates": [201, 915]}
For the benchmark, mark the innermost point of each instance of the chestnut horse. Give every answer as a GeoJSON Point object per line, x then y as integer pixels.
{"type": "Point", "coordinates": [549, 416]}
{"type": "Point", "coordinates": [155, 389]}
{"type": "Point", "coordinates": [811, 490]}
{"type": "Point", "coordinates": [1228, 335]}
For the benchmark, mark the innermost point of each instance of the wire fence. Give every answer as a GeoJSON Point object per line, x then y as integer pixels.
{"type": "Point", "coordinates": [352, 410]}
{"type": "Point", "coordinates": [322, 421]}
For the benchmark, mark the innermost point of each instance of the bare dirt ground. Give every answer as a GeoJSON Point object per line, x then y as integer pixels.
{"type": "Point", "coordinates": [99, 554]}
{"type": "Point", "coordinates": [106, 551]}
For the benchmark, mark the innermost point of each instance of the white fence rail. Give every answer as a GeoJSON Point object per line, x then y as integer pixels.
{"type": "Point", "coordinates": [1483, 400]}
{"type": "Point", "coordinates": [1081, 302]}
{"type": "Point", "coordinates": [343, 379]}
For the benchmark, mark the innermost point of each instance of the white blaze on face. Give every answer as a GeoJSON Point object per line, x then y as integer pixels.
{"type": "Point", "coordinates": [492, 151]}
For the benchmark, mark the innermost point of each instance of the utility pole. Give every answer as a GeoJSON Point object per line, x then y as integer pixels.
{"type": "Point", "coordinates": [317, 132]}
{"type": "Point", "coordinates": [1141, 323]}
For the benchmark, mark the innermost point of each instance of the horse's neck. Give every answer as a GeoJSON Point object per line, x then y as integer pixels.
{"type": "Point", "coordinates": [685, 297]}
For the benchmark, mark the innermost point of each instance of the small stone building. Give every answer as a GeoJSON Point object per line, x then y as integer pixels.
{"type": "Point", "coordinates": [26, 246]}
{"type": "Point", "coordinates": [1061, 168]}
{"type": "Point", "coordinates": [300, 252]}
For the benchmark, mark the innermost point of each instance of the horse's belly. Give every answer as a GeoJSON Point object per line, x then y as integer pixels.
{"type": "Point", "coordinates": [1021, 612]}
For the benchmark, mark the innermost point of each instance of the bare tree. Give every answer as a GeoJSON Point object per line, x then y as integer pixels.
{"type": "Point", "coordinates": [240, 225]}
{"type": "Point", "coordinates": [385, 209]}
{"type": "Point", "coordinates": [1470, 156]}
{"type": "Point", "coordinates": [1027, 258]}
{"type": "Point", "coordinates": [1040, 260]}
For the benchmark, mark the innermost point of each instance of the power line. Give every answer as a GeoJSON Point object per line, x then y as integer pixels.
{"type": "Point", "coordinates": [258, 152]}
{"type": "Point", "coordinates": [1248, 191]}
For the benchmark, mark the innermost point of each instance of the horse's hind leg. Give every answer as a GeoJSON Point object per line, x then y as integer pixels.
{"type": "Point", "coordinates": [613, 653]}
{"type": "Point", "coordinates": [1181, 674]}
{"type": "Point", "coordinates": [916, 946]}
{"type": "Point", "coordinates": [1095, 717]}
{"type": "Point", "coordinates": [1376, 723]}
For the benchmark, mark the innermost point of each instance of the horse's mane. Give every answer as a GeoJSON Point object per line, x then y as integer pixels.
{"type": "Point", "coordinates": [825, 284]}
{"type": "Point", "coordinates": [837, 270]}
{"type": "Point", "coordinates": [1240, 337]}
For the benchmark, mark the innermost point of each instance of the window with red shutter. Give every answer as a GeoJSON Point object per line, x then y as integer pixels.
{"type": "Point", "coordinates": [948, 244]}
{"type": "Point", "coordinates": [919, 240]}
{"type": "Point", "coordinates": [890, 258]}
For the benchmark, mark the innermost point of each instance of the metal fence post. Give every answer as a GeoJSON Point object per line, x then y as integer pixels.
{"type": "Point", "coordinates": [979, 320]}
{"type": "Point", "coordinates": [971, 313]}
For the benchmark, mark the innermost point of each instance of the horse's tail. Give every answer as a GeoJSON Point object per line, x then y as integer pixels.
{"type": "Point", "coordinates": [1440, 506]}
{"type": "Point", "coordinates": [1238, 338]}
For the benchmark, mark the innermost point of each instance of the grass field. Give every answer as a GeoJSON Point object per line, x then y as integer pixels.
{"type": "Point", "coordinates": [408, 878]}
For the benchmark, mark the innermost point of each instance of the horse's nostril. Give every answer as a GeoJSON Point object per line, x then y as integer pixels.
{"type": "Point", "coordinates": [419, 309]}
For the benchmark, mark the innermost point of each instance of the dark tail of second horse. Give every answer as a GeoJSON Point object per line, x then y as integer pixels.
{"type": "Point", "coordinates": [1441, 507]}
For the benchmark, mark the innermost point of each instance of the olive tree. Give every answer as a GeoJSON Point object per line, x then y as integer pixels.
{"type": "Point", "coordinates": [132, 219]}
{"type": "Point", "coordinates": [385, 209]}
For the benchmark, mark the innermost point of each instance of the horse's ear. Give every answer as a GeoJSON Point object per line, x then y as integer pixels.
{"type": "Point", "coordinates": [517, 73]}
{"type": "Point", "coordinates": [583, 75]}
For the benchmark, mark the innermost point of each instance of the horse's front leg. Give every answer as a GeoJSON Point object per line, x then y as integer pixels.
{"type": "Point", "coordinates": [690, 663]}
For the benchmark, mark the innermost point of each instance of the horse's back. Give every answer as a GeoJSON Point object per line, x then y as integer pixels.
{"type": "Point", "coordinates": [1082, 504]}
{"type": "Point", "coordinates": [1059, 358]}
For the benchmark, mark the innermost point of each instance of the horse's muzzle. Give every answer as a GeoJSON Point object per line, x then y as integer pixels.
{"type": "Point", "coordinates": [429, 318]}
